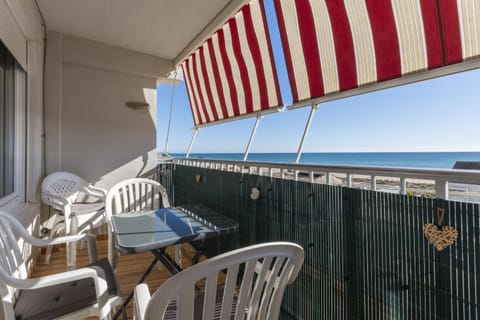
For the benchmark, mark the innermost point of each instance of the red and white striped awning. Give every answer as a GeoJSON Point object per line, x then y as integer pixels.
{"type": "Point", "coordinates": [233, 73]}
{"type": "Point", "coordinates": [332, 46]}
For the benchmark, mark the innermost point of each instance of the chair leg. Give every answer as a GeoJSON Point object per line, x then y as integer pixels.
{"type": "Point", "coordinates": [178, 255]}
{"type": "Point", "coordinates": [52, 221]}
{"type": "Point", "coordinates": [71, 247]}
{"type": "Point", "coordinates": [112, 253]}
{"type": "Point", "coordinates": [48, 255]}
{"type": "Point", "coordinates": [57, 228]}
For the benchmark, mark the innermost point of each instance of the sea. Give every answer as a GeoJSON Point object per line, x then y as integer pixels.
{"type": "Point", "coordinates": [432, 160]}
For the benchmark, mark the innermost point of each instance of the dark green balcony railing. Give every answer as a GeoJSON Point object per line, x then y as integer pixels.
{"type": "Point", "coordinates": [365, 253]}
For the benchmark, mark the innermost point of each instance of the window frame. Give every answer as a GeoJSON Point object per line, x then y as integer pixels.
{"type": "Point", "coordinates": [17, 130]}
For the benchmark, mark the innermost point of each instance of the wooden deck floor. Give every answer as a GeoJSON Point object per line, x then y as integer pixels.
{"type": "Point", "coordinates": [129, 270]}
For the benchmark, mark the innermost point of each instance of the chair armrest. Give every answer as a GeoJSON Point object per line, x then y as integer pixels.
{"type": "Point", "coordinates": [60, 240]}
{"type": "Point", "coordinates": [91, 243]}
{"type": "Point", "coordinates": [55, 201]}
{"type": "Point", "coordinates": [101, 287]}
{"type": "Point", "coordinates": [96, 191]}
{"type": "Point", "coordinates": [22, 232]}
{"type": "Point", "coordinates": [142, 297]}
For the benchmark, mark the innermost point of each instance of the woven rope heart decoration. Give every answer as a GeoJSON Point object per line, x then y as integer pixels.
{"type": "Point", "coordinates": [438, 236]}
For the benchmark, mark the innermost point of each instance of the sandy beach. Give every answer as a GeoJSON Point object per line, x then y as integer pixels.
{"type": "Point", "coordinates": [415, 187]}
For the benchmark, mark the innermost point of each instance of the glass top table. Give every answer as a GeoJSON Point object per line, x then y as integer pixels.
{"type": "Point", "coordinates": [143, 231]}
{"type": "Point", "coordinates": [158, 229]}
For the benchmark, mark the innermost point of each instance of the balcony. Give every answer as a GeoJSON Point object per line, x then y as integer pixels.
{"type": "Point", "coordinates": [361, 227]}
{"type": "Point", "coordinates": [366, 253]}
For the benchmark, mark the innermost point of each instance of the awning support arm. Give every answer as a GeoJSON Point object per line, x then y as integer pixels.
{"type": "Point", "coordinates": [305, 132]}
{"type": "Point", "coordinates": [191, 143]}
{"type": "Point", "coordinates": [247, 150]}
{"type": "Point", "coordinates": [170, 114]}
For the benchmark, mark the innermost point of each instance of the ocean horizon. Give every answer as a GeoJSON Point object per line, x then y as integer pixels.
{"type": "Point", "coordinates": [434, 160]}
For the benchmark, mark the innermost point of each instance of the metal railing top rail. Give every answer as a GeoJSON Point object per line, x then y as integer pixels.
{"type": "Point", "coordinates": [441, 177]}
{"type": "Point", "coordinates": [452, 175]}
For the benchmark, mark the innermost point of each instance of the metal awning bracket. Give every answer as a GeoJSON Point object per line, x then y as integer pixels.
{"type": "Point", "coordinates": [191, 142]}
{"type": "Point", "coordinates": [254, 130]}
{"type": "Point", "coordinates": [305, 132]}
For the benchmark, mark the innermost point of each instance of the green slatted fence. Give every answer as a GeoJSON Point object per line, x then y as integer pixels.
{"type": "Point", "coordinates": [365, 253]}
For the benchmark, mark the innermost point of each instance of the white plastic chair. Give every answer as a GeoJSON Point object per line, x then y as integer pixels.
{"type": "Point", "coordinates": [76, 294]}
{"type": "Point", "coordinates": [61, 190]}
{"type": "Point", "coordinates": [195, 294]}
{"type": "Point", "coordinates": [132, 195]}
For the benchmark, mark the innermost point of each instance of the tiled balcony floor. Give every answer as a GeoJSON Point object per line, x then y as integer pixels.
{"type": "Point", "coordinates": [130, 268]}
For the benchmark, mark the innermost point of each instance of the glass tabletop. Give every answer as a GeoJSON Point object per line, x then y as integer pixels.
{"type": "Point", "coordinates": [149, 230]}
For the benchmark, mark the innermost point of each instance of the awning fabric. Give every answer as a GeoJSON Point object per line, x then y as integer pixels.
{"type": "Point", "coordinates": [233, 73]}
{"type": "Point", "coordinates": [333, 46]}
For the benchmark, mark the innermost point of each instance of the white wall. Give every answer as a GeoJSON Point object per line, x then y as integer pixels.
{"type": "Point", "coordinates": [99, 133]}
{"type": "Point", "coordinates": [90, 131]}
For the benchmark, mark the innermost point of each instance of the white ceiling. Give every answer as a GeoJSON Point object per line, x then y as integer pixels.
{"type": "Point", "coordinates": [159, 27]}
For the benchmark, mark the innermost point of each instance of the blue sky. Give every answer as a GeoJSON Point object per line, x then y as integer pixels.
{"type": "Point", "coordinates": [441, 114]}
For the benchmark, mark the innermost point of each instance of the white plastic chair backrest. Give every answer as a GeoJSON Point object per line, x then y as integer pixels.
{"type": "Point", "coordinates": [267, 269]}
{"type": "Point", "coordinates": [137, 194]}
{"type": "Point", "coordinates": [12, 263]}
{"type": "Point", "coordinates": [64, 184]}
